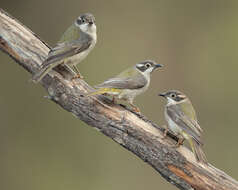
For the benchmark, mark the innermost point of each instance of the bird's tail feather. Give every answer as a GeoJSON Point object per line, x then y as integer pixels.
{"type": "Point", "coordinates": [197, 150]}
{"type": "Point", "coordinates": [40, 75]}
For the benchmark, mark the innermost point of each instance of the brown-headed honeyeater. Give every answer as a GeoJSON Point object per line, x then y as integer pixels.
{"type": "Point", "coordinates": [128, 84]}
{"type": "Point", "coordinates": [75, 44]}
{"type": "Point", "coordinates": [182, 121]}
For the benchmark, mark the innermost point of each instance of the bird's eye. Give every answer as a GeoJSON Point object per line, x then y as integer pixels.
{"type": "Point", "coordinates": [83, 20]}
{"type": "Point", "coordinates": [173, 95]}
{"type": "Point", "coordinates": [147, 65]}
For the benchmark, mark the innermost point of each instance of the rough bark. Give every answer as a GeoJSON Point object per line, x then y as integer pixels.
{"type": "Point", "coordinates": [132, 131]}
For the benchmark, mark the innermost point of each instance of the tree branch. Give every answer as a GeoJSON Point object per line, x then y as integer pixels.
{"type": "Point", "coordinates": [132, 131]}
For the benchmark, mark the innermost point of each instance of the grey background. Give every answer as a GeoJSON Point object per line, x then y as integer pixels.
{"type": "Point", "coordinates": [45, 147]}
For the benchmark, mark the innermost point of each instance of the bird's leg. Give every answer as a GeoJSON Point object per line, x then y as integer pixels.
{"type": "Point", "coordinates": [166, 129]}
{"type": "Point", "coordinates": [77, 72]}
{"type": "Point", "coordinates": [69, 69]}
{"type": "Point", "coordinates": [180, 142]}
{"type": "Point", "coordinates": [114, 100]}
{"type": "Point", "coordinates": [135, 108]}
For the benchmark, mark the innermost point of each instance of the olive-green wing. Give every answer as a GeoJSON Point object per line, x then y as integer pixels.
{"type": "Point", "coordinates": [185, 123]}
{"type": "Point", "coordinates": [130, 72]}
{"type": "Point", "coordinates": [189, 111]}
{"type": "Point", "coordinates": [128, 79]}
{"type": "Point", "coordinates": [65, 50]}
{"type": "Point", "coordinates": [134, 82]}
{"type": "Point", "coordinates": [71, 34]}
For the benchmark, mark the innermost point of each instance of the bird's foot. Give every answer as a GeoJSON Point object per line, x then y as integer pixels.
{"type": "Point", "coordinates": [114, 101]}
{"type": "Point", "coordinates": [180, 142]}
{"type": "Point", "coordinates": [165, 131]}
{"type": "Point", "coordinates": [135, 108]}
{"type": "Point", "coordinates": [78, 76]}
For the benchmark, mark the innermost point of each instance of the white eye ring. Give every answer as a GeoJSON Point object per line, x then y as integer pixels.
{"type": "Point", "coordinates": [147, 65]}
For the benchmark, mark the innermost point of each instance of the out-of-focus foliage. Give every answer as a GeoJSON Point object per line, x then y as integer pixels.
{"type": "Point", "coordinates": [45, 147]}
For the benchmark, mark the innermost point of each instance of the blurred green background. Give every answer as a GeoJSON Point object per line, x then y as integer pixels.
{"type": "Point", "coordinates": [44, 147]}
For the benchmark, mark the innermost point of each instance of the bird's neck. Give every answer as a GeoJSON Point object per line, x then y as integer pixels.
{"type": "Point", "coordinates": [93, 32]}
{"type": "Point", "coordinates": [90, 34]}
{"type": "Point", "coordinates": [146, 75]}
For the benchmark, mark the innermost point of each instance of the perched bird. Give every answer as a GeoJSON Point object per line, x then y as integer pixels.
{"type": "Point", "coordinates": [128, 84]}
{"type": "Point", "coordinates": [182, 121]}
{"type": "Point", "coordinates": [75, 44]}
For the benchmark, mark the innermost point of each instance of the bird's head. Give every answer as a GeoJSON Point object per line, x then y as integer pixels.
{"type": "Point", "coordinates": [86, 23]}
{"type": "Point", "coordinates": [147, 67]}
{"type": "Point", "coordinates": [174, 96]}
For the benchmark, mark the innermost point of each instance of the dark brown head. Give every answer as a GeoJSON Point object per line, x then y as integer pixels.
{"type": "Point", "coordinates": [86, 23]}
{"type": "Point", "coordinates": [173, 95]}
{"type": "Point", "coordinates": [147, 66]}
{"type": "Point", "coordinates": [86, 18]}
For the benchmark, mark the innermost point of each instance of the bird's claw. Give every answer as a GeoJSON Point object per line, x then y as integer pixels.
{"type": "Point", "coordinates": [180, 142]}
{"type": "Point", "coordinates": [165, 132]}
{"type": "Point", "coordinates": [78, 76]}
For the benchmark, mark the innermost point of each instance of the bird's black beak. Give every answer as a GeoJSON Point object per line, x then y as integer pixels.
{"type": "Point", "coordinates": [91, 22]}
{"type": "Point", "coordinates": [156, 66]}
{"type": "Point", "coordinates": [162, 94]}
